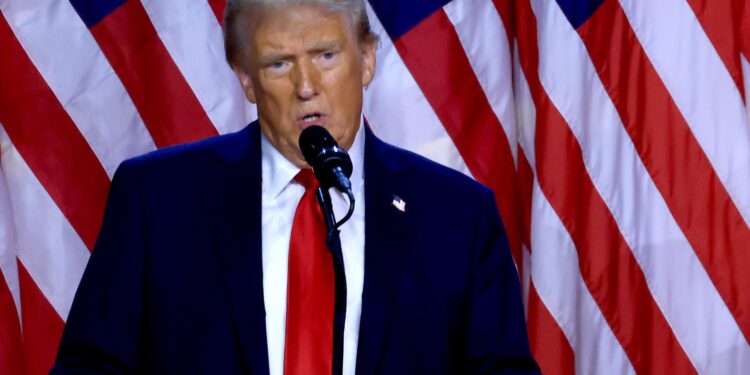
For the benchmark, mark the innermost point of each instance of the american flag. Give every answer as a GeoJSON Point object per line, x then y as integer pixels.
{"type": "Point", "coordinates": [615, 134]}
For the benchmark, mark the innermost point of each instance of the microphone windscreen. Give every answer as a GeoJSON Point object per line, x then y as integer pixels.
{"type": "Point", "coordinates": [313, 140]}
{"type": "Point", "coordinates": [330, 162]}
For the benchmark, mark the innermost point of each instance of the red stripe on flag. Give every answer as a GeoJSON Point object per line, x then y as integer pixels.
{"type": "Point", "coordinates": [681, 171]}
{"type": "Point", "coordinates": [745, 29]}
{"type": "Point", "coordinates": [548, 343]}
{"type": "Point", "coordinates": [10, 333]}
{"type": "Point", "coordinates": [720, 21]}
{"type": "Point", "coordinates": [167, 104]}
{"type": "Point", "coordinates": [525, 189]}
{"type": "Point", "coordinates": [614, 278]}
{"type": "Point", "coordinates": [506, 10]}
{"type": "Point", "coordinates": [453, 91]}
{"type": "Point", "coordinates": [607, 265]}
{"type": "Point", "coordinates": [49, 141]}
{"type": "Point", "coordinates": [217, 6]}
{"type": "Point", "coordinates": [42, 327]}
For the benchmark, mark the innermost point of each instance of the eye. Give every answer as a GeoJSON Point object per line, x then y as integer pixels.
{"type": "Point", "coordinates": [276, 65]}
{"type": "Point", "coordinates": [328, 55]}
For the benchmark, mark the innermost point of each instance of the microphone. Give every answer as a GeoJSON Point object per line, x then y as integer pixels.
{"type": "Point", "coordinates": [331, 164]}
{"type": "Point", "coordinates": [332, 167]}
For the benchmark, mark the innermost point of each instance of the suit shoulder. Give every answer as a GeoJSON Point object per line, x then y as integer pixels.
{"type": "Point", "coordinates": [191, 157]}
{"type": "Point", "coordinates": [434, 176]}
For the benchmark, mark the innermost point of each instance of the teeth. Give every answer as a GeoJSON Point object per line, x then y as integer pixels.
{"type": "Point", "coordinates": [311, 118]}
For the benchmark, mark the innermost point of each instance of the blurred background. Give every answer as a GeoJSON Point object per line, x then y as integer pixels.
{"type": "Point", "coordinates": [615, 134]}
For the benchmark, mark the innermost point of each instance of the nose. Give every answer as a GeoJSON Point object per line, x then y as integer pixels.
{"type": "Point", "coordinates": [307, 80]}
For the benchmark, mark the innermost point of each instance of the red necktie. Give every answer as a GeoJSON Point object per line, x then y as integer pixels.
{"type": "Point", "coordinates": [310, 289]}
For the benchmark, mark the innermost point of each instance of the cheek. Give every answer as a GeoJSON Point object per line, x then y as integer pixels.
{"type": "Point", "coordinates": [274, 95]}
{"type": "Point", "coordinates": [345, 83]}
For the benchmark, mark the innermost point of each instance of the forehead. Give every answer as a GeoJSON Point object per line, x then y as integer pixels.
{"type": "Point", "coordinates": [293, 27]}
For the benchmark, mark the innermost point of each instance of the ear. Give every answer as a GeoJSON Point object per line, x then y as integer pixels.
{"type": "Point", "coordinates": [246, 82]}
{"type": "Point", "coordinates": [368, 62]}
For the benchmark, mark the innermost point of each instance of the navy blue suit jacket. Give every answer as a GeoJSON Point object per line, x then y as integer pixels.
{"type": "Point", "coordinates": [174, 284]}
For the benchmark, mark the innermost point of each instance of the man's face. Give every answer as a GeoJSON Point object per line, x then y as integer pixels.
{"type": "Point", "coordinates": [305, 66]}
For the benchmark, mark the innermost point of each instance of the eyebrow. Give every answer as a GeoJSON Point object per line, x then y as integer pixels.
{"type": "Point", "coordinates": [325, 46]}
{"type": "Point", "coordinates": [273, 56]}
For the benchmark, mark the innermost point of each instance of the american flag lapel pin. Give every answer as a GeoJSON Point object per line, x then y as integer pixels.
{"type": "Point", "coordinates": [399, 203]}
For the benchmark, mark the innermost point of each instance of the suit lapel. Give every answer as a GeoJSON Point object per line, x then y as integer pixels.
{"type": "Point", "coordinates": [387, 241]}
{"type": "Point", "coordinates": [237, 219]}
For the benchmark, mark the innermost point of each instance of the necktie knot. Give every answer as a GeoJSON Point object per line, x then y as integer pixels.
{"type": "Point", "coordinates": [306, 177]}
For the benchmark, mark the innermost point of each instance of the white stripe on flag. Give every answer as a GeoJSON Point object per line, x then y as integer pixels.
{"type": "Point", "coordinates": [700, 85]}
{"type": "Point", "coordinates": [553, 266]}
{"type": "Point", "coordinates": [525, 111]}
{"type": "Point", "coordinates": [398, 111]}
{"type": "Point", "coordinates": [677, 280]}
{"type": "Point", "coordinates": [525, 127]}
{"type": "Point", "coordinates": [78, 73]}
{"type": "Point", "coordinates": [51, 250]}
{"type": "Point", "coordinates": [193, 37]}
{"type": "Point", "coordinates": [558, 281]}
{"type": "Point", "coordinates": [485, 42]}
{"type": "Point", "coordinates": [8, 265]}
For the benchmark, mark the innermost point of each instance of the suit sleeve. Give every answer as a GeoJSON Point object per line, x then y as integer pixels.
{"type": "Point", "coordinates": [497, 342]}
{"type": "Point", "coordinates": [102, 332]}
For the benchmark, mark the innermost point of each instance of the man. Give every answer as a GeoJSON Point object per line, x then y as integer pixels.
{"type": "Point", "coordinates": [201, 268]}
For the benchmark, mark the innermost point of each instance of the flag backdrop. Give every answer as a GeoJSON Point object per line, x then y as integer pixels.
{"type": "Point", "coordinates": [615, 135]}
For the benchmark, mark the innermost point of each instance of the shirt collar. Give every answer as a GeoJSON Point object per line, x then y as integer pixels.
{"type": "Point", "coordinates": [278, 171]}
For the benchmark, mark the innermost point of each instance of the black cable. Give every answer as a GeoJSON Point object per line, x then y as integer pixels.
{"type": "Point", "coordinates": [348, 213]}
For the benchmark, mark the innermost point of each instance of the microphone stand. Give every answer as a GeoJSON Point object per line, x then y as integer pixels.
{"type": "Point", "coordinates": [333, 242]}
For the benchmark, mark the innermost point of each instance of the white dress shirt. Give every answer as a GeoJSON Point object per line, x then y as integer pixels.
{"type": "Point", "coordinates": [280, 196]}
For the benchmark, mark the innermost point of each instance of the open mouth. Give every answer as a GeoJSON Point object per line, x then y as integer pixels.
{"type": "Point", "coordinates": [312, 117]}
{"type": "Point", "coordinates": [315, 118]}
